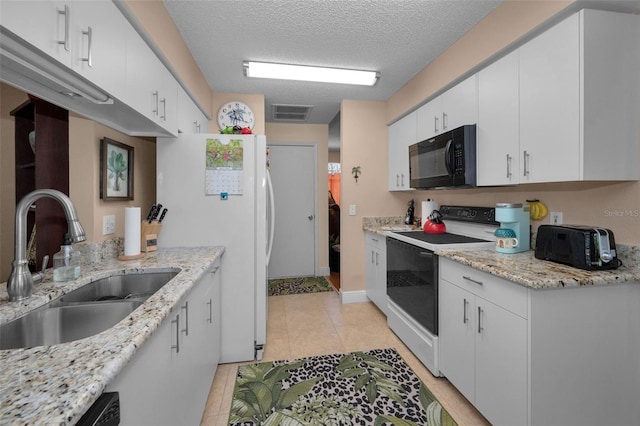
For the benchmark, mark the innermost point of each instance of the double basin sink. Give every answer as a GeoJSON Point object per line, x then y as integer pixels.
{"type": "Point", "coordinates": [86, 311]}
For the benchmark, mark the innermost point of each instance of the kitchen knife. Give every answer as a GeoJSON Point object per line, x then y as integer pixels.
{"type": "Point", "coordinates": [164, 212]}
{"type": "Point", "coordinates": [156, 212]}
{"type": "Point", "coordinates": [151, 211]}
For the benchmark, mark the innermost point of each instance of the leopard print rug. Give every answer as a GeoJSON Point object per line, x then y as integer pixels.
{"type": "Point", "coordinates": [361, 388]}
{"type": "Point", "coordinates": [300, 285]}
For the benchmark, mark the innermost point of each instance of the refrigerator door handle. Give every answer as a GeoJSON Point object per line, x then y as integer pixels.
{"type": "Point", "coordinates": [272, 219]}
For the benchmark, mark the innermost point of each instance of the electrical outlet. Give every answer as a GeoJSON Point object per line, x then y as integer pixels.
{"type": "Point", "coordinates": [352, 209]}
{"type": "Point", "coordinates": [555, 218]}
{"type": "Point", "coordinates": [108, 224]}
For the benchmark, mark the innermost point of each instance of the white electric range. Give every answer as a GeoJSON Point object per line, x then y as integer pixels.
{"type": "Point", "coordinates": [412, 275]}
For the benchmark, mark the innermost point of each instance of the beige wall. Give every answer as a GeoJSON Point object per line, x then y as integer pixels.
{"type": "Point", "coordinates": [363, 138]}
{"type": "Point", "coordinates": [317, 134]}
{"type": "Point", "coordinates": [84, 177]}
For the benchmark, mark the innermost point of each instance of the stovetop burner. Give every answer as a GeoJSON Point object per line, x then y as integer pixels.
{"type": "Point", "coordinates": [445, 238]}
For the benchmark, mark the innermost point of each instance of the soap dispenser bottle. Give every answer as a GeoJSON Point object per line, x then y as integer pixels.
{"type": "Point", "coordinates": [67, 262]}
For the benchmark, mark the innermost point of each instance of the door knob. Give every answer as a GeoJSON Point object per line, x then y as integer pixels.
{"type": "Point", "coordinates": [310, 217]}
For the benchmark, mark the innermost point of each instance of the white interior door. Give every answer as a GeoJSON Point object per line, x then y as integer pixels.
{"type": "Point", "coordinates": [294, 175]}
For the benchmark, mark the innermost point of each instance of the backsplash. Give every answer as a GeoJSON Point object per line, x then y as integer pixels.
{"type": "Point", "coordinates": [96, 253]}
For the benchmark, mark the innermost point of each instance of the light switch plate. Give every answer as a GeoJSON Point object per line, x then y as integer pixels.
{"type": "Point", "coordinates": [352, 209]}
{"type": "Point", "coordinates": [108, 224]}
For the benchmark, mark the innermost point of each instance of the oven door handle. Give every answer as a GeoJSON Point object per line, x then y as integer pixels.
{"type": "Point", "coordinates": [426, 254]}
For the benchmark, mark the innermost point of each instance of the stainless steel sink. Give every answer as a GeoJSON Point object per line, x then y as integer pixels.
{"type": "Point", "coordinates": [52, 325]}
{"type": "Point", "coordinates": [88, 310]}
{"type": "Point", "coordinates": [118, 287]}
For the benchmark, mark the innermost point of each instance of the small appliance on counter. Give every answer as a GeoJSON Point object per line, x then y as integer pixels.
{"type": "Point", "coordinates": [583, 247]}
{"type": "Point", "coordinates": [514, 234]}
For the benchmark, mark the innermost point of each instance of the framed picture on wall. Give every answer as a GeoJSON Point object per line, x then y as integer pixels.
{"type": "Point", "coordinates": [116, 171]}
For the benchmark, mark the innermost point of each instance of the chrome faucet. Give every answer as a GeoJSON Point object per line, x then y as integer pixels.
{"type": "Point", "coordinates": [20, 282]}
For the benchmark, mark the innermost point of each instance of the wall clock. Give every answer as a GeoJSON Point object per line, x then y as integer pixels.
{"type": "Point", "coordinates": [235, 113]}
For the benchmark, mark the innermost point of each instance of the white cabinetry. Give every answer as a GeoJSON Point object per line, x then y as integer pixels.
{"type": "Point", "coordinates": [456, 107]}
{"type": "Point", "coordinates": [88, 37]}
{"type": "Point", "coordinates": [151, 89]}
{"type": "Point", "coordinates": [579, 101]}
{"type": "Point", "coordinates": [45, 24]}
{"type": "Point", "coordinates": [483, 341]}
{"type": "Point", "coordinates": [525, 356]}
{"type": "Point", "coordinates": [498, 145]}
{"type": "Point", "coordinates": [168, 380]}
{"type": "Point", "coordinates": [190, 118]}
{"type": "Point", "coordinates": [376, 270]}
{"type": "Point", "coordinates": [401, 134]}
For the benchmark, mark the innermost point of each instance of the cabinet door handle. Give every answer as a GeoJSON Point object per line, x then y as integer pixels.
{"type": "Point", "coordinates": [177, 323]}
{"type": "Point", "coordinates": [480, 328]}
{"type": "Point", "coordinates": [377, 259]}
{"type": "Point", "coordinates": [402, 180]}
{"type": "Point", "coordinates": [465, 303]}
{"type": "Point", "coordinates": [186, 320]}
{"type": "Point", "coordinates": [89, 34]}
{"type": "Point", "coordinates": [444, 121]}
{"type": "Point", "coordinates": [372, 257]}
{"type": "Point", "coordinates": [526, 163]}
{"type": "Point", "coordinates": [210, 303]}
{"type": "Point", "coordinates": [435, 123]}
{"type": "Point", "coordinates": [65, 12]}
{"type": "Point", "coordinates": [155, 97]}
{"type": "Point", "coordinates": [472, 280]}
{"type": "Point", "coordinates": [397, 180]}
{"type": "Point", "coordinates": [197, 126]}
{"type": "Point", "coordinates": [508, 166]}
{"type": "Point", "coordinates": [163, 101]}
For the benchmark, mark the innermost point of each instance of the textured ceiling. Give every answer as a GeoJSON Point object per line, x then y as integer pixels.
{"type": "Point", "coordinates": [398, 38]}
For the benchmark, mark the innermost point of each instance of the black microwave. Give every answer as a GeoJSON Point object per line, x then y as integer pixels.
{"type": "Point", "coordinates": [444, 161]}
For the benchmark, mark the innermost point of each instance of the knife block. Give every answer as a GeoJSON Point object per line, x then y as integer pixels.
{"type": "Point", "coordinates": [149, 236]}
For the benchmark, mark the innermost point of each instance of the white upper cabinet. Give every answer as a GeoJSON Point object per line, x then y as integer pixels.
{"type": "Point", "coordinates": [498, 145]}
{"type": "Point", "coordinates": [401, 134]}
{"type": "Point", "coordinates": [579, 102]}
{"type": "Point", "coordinates": [456, 107]}
{"type": "Point", "coordinates": [87, 37]}
{"type": "Point", "coordinates": [190, 118]}
{"type": "Point", "coordinates": [99, 44]}
{"type": "Point", "coordinates": [549, 105]}
{"type": "Point", "coordinates": [151, 89]}
{"type": "Point", "coordinates": [45, 24]}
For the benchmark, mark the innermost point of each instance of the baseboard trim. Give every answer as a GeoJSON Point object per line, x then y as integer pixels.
{"type": "Point", "coordinates": [359, 296]}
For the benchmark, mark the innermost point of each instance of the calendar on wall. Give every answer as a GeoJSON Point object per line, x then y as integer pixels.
{"type": "Point", "coordinates": [224, 166]}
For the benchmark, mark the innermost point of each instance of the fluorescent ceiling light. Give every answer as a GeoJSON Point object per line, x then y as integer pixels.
{"type": "Point", "coordinates": [309, 73]}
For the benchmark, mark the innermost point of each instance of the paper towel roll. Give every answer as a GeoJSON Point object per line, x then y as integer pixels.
{"type": "Point", "coordinates": [428, 207]}
{"type": "Point", "coordinates": [132, 221]}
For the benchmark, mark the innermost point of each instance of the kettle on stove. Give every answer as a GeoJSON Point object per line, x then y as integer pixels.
{"type": "Point", "coordinates": [434, 224]}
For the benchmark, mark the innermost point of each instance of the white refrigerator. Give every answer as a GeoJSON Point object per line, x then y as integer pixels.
{"type": "Point", "coordinates": [218, 192]}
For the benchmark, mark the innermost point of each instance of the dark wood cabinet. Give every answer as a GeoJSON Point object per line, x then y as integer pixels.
{"type": "Point", "coordinates": [44, 166]}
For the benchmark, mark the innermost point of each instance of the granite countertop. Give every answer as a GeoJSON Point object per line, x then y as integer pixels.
{"type": "Point", "coordinates": [524, 268]}
{"type": "Point", "coordinates": [57, 384]}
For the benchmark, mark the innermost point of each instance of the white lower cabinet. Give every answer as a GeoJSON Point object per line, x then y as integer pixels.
{"type": "Point", "coordinates": [526, 356]}
{"type": "Point", "coordinates": [376, 270]}
{"type": "Point", "coordinates": [483, 341]}
{"type": "Point", "coordinates": [167, 381]}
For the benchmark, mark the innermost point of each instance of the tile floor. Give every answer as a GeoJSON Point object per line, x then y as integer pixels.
{"type": "Point", "coordinates": [317, 324]}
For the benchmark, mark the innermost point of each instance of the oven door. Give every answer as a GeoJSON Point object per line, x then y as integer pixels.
{"type": "Point", "coordinates": [412, 282]}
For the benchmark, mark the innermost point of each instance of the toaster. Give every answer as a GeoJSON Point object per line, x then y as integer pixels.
{"type": "Point", "coordinates": [583, 247]}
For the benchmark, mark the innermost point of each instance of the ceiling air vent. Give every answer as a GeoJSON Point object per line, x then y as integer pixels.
{"type": "Point", "coordinates": [295, 113]}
